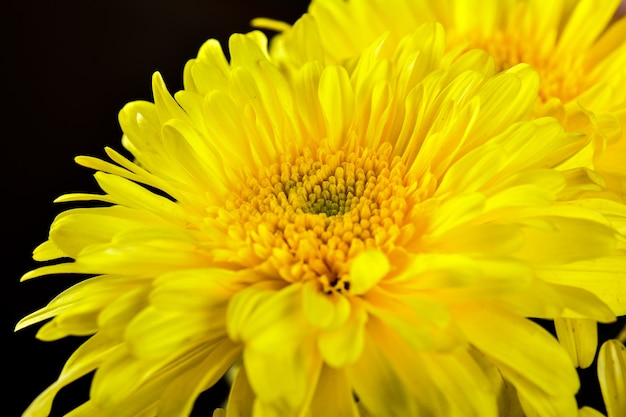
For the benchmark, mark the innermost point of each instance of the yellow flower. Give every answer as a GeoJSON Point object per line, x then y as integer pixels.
{"type": "Point", "coordinates": [366, 241]}
{"type": "Point", "coordinates": [577, 50]}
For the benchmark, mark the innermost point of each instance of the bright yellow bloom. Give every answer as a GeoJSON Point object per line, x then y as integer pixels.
{"type": "Point", "coordinates": [380, 232]}
{"type": "Point", "coordinates": [579, 54]}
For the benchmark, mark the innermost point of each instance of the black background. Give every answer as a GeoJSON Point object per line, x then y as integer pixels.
{"type": "Point", "coordinates": [67, 69]}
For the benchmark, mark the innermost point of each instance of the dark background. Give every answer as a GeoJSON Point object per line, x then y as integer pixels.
{"type": "Point", "coordinates": [68, 67]}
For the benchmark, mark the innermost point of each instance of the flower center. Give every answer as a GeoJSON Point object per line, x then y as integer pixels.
{"type": "Point", "coordinates": [559, 76]}
{"type": "Point", "coordinates": [306, 217]}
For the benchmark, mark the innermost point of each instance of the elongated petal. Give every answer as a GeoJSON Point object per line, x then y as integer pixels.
{"type": "Point", "coordinates": [84, 360]}
{"type": "Point", "coordinates": [283, 381]}
{"type": "Point", "coordinates": [333, 395]}
{"type": "Point", "coordinates": [367, 269]}
{"type": "Point", "coordinates": [580, 338]}
{"type": "Point", "coordinates": [612, 376]}
{"type": "Point", "coordinates": [343, 345]}
{"type": "Point", "coordinates": [508, 339]}
{"type": "Point", "coordinates": [378, 384]}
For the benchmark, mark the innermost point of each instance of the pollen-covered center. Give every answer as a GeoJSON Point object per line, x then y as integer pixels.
{"type": "Point", "coordinates": [561, 75]}
{"type": "Point", "coordinates": [319, 188]}
{"type": "Point", "coordinates": [306, 217]}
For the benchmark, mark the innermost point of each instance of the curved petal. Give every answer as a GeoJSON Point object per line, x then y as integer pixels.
{"type": "Point", "coordinates": [612, 377]}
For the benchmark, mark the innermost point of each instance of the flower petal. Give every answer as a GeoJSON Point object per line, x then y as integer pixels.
{"type": "Point", "coordinates": [284, 381]}
{"type": "Point", "coordinates": [268, 320]}
{"type": "Point", "coordinates": [367, 270]}
{"type": "Point", "coordinates": [612, 377]}
{"type": "Point", "coordinates": [333, 395]}
{"type": "Point", "coordinates": [378, 385]}
{"type": "Point", "coordinates": [580, 338]}
{"type": "Point", "coordinates": [343, 345]}
{"type": "Point", "coordinates": [522, 346]}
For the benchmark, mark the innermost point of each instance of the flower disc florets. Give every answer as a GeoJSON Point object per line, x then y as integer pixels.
{"type": "Point", "coordinates": [308, 216]}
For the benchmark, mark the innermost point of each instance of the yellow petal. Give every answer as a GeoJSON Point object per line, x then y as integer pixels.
{"type": "Point", "coordinates": [337, 101]}
{"type": "Point", "coordinates": [482, 238]}
{"type": "Point", "coordinates": [91, 294]}
{"type": "Point", "coordinates": [155, 378]}
{"type": "Point", "coordinates": [74, 230]}
{"type": "Point", "coordinates": [154, 333]}
{"type": "Point", "coordinates": [179, 397]}
{"type": "Point", "coordinates": [263, 318]}
{"type": "Point", "coordinates": [534, 402]}
{"type": "Point", "coordinates": [367, 270]}
{"type": "Point", "coordinates": [133, 195]}
{"type": "Point", "coordinates": [406, 321]}
{"type": "Point", "coordinates": [473, 170]}
{"type": "Point", "coordinates": [570, 240]}
{"type": "Point", "coordinates": [505, 99]}
{"type": "Point", "coordinates": [147, 251]}
{"type": "Point", "coordinates": [612, 377]}
{"type": "Point", "coordinates": [118, 377]}
{"type": "Point", "coordinates": [193, 290]}
{"type": "Point", "coordinates": [589, 412]}
{"type": "Point", "coordinates": [586, 23]}
{"type": "Point", "coordinates": [603, 277]}
{"type": "Point", "coordinates": [522, 346]}
{"type": "Point", "coordinates": [408, 363]}
{"type": "Point", "coordinates": [241, 397]}
{"type": "Point", "coordinates": [324, 310]}
{"type": "Point", "coordinates": [464, 383]}
{"type": "Point", "coordinates": [579, 337]}
{"type": "Point", "coordinates": [84, 360]}
{"type": "Point", "coordinates": [284, 381]}
{"type": "Point", "coordinates": [210, 70]}
{"type": "Point", "coordinates": [378, 385]}
{"type": "Point", "coordinates": [47, 251]}
{"type": "Point", "coordinates": [333, 395]}
{"type": "Point", "coordinates": [114, 318]}
{"type": "Point", "coordinates": [343, 345]}
{"type": "Point", "coordinates": [455, 211]}
{"type": "Point", "coordinates": [219, 412]}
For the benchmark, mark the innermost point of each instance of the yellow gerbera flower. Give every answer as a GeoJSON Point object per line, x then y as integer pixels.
{"type": "Point", "coordinates": [367, 241]}
{"type": "Point", "coordinates": [574, 45]}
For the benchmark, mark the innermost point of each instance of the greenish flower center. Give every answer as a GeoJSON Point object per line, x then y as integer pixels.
{"type": "Point", "coordinates": [324, 190]}
{"type": "Point", "coordinates": [308, 216]}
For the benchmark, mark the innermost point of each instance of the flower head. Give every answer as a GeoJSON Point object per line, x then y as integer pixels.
{"type": "Point", "coordinates": [369, 237]}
